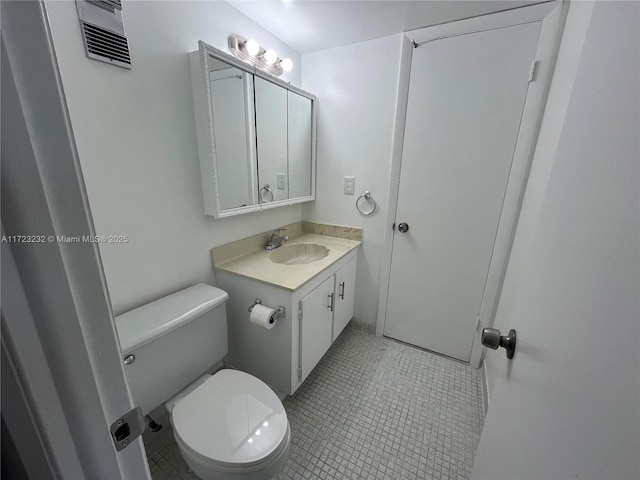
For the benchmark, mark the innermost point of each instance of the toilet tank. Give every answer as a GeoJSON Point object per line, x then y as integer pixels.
{"type": "Point", "coordinates": [173, 341]}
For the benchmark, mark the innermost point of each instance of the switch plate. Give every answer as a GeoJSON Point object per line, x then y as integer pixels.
{"type": "Point", "coordinates": [349, 185]}
{"type": "Point", "coordinates": [280, 181]}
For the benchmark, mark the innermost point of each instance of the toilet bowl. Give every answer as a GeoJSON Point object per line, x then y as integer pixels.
{"type": "Point", "coordinates": [229, 425]}
{"type": "Point", "coordinates": [232, 426]}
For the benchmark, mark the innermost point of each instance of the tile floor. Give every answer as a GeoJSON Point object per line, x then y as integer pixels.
{"type": "Point", "coordinates": [162, 451]}
{"type": "Point", "coordinates": [373, 408]}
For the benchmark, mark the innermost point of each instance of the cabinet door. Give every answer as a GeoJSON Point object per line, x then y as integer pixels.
{"type": "Point", "coordinates": [271, 131]}
{"type": "Point", "coordinates": [345, 294]}
{"type": "Point", "coordinates": [317, 315]}
{"type": "Point", "coordinates": [299, 132]}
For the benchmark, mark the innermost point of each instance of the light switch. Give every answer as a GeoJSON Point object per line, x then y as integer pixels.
{"type": "Point", "coordinates": [349, 185]}
{"type": "Point", "coordinates": [280, 181]}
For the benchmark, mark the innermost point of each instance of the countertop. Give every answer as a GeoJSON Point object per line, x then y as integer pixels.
{"type": "Point", "coordinates": [258, 266]}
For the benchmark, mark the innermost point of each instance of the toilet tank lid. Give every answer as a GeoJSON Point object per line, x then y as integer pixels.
{"type": "Point", "coordinates": [145, 324]}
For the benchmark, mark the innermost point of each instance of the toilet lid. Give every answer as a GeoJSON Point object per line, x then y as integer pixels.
{"type": "Point", "coordinates": [232, 419]}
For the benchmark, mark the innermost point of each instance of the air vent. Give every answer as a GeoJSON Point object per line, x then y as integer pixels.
{"type": "Point", "coordinates": [110, 5]}
{"type": "Point", "coordinates": [106, 46]}
{"type": "Point", "coordinates": [103, 32]}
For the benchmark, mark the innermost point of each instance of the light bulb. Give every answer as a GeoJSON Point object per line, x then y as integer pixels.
{"type": "Point", "coordinates": [286, 64]}
{"type": "Point", "coordinates": [252, 47]}
{"type": "Point", "coordinates": [270, 56]}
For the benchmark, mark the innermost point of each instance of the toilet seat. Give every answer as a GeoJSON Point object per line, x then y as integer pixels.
{"type": "Point", "coordinates": [232, 422]}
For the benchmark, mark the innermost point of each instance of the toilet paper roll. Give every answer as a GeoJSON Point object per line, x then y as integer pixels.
{"type": "Point", "coordinates": [263, 316]}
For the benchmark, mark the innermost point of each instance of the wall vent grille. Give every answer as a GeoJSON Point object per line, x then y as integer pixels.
{"type": "Point", "coordinates": [106, 46]}
{"type": "Point", "coordinates": [110, 5]}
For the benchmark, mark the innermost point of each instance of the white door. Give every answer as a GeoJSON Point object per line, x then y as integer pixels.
{"type": "Point", "coordinates": [317, 322]}
{"type": "Point", "coordinates": [568, 404]}
{"type": "Point", "coordinates": [70, 383]}
{"type": "Point", "coordinates": [466, 99]}
{"type": "Point", "coordinates": [345, 289]}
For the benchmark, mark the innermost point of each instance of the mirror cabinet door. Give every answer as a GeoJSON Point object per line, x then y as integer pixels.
{"type": "Point", "coordinates": [299, 145]}
{"type": "Point", "coordinates": [233, 127]}
{"type": "Point", "coordinates": [271, 138]}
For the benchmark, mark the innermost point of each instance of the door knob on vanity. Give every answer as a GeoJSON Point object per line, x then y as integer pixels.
{"type": "Point", "coordinates": [491, 338]}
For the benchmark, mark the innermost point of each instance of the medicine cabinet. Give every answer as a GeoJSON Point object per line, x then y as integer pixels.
{"type": "Point", "coordinates": [256, 136]}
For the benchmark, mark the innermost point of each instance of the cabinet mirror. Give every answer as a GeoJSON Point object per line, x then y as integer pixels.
{"type": "Point", "coordinates": [256, 136]}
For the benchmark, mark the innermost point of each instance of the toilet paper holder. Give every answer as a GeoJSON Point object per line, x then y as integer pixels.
{"type": "Point", "coordinates": [257, 301]}
{"type": "Point", "coordinates": [280, 311]}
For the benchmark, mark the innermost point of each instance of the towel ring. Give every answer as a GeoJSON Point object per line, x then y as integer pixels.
{"type": "Point", "coordinates": [367, 196]}
{"type": "Point", "coordinates": [266, 188]}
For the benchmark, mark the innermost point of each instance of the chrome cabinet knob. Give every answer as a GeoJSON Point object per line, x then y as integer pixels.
{"type": "Point", "coordinates": [491, 338]}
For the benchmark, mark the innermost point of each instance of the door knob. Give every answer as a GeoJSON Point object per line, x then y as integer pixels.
{"type": "Point", "coordinates": [403, 227]}
{"type": "Point", "coordinates": [491, 338]}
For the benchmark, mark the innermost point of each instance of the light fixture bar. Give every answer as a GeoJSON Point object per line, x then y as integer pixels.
{"type": "Point", "coordinates": [264, 59]}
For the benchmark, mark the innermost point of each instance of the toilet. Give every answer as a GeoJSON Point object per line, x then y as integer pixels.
{"type": "Point", "coordinates": [229, 425]}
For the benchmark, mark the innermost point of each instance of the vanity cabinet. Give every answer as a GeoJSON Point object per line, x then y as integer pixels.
{"type": "Point", "coordinates": [323, 314]}
{"type": "Point", "coordinates": [315, 314]}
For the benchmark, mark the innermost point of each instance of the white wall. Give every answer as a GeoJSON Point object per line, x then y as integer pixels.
{"type": "Point", "coordinates": [357, 88]}
{"type": "Point", "coordinates": [564, 76]}
{"type": "Point", "coordinates": [136, 139]}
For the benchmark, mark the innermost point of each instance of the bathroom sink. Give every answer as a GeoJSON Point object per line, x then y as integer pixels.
{"type": "Point", "coordinates": [299, 253]}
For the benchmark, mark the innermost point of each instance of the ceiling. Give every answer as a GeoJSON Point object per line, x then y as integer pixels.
{"type": "Point", "coordinates": [310, 25]}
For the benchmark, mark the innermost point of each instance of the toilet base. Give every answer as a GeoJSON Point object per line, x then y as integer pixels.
{"type": "Point", "coordinates": [185, 473]}
{"type": "Point", "coordinates": [267, 472]}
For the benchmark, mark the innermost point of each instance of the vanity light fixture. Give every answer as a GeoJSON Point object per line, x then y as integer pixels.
{"type": "Point", "coordinates": [251, 52]}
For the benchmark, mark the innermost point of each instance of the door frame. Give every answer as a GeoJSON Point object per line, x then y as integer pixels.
{"type": "Point", "coordinates": [58, 329]}
{"type": "Point", "coordinates": [552, 15]}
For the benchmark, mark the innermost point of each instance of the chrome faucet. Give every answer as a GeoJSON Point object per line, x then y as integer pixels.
{"type": "Point", "coordinates": [276, 240]}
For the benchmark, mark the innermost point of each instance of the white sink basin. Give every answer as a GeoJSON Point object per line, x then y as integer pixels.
{"type": "Point", "coordinates": [299, 253]}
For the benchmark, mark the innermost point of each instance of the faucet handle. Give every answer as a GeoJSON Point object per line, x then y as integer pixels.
{"type": "Point", "coordinates": [276, 233]}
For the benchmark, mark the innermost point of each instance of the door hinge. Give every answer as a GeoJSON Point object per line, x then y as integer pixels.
{"type": "Point", "coordinates": [477, 322]}
{"type": "Point", "coordinates": [299, 373]}
{"type": "Point", "coordinates": [532, 70]}
{"type": "Point", "coordinates": [300, 314]}
{"type": "Point", "coordinates": [127, 428]}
